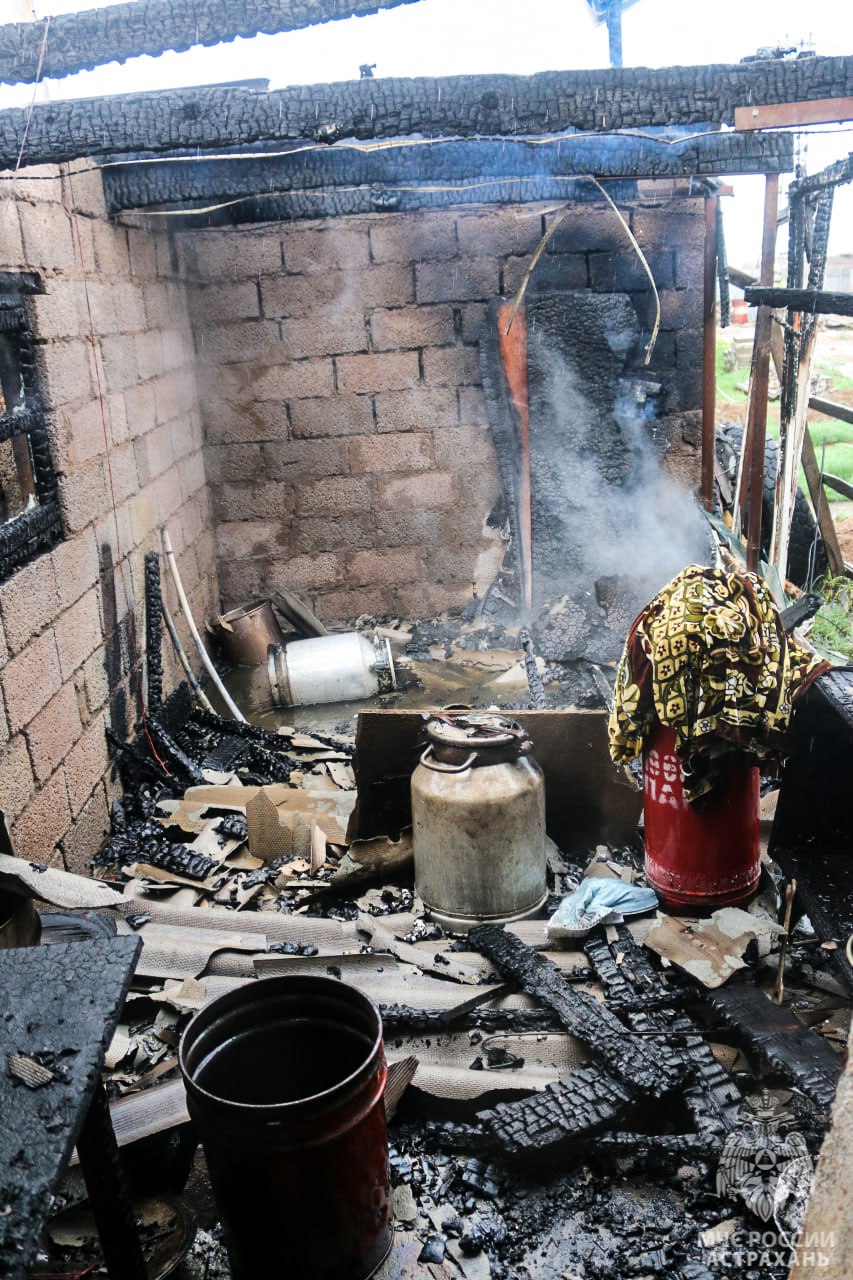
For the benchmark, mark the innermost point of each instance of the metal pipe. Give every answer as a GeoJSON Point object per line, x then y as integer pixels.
{"type": "Point", "coordinates": [709, 354]}
{"type": "Point", "coordinates": [199, 643]}
{"type": "Point", "coordinates": [184, 660]}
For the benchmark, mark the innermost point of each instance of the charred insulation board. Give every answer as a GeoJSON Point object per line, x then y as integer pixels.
{"type": "Point", "coordinates": [59, 1007]}
{"type": "Point", "coordinates": [795, 1052]}
{"type": "Point", "coordinates": [635, 1063]}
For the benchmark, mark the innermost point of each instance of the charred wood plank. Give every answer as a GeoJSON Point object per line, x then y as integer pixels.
{"type": "Point", "coordinates": [833, 175]}
{"type": "Point", "coordinates": [843, 412]}
{"type": "Point", "coordinates": [142, 184]}
{"type": "Point", "coordinates": [546, 103]}
{"type": "Point", "coordinates": [811, 301]}
{"type": "Point", "coordinates": [795, 1052]}
{"type": "Point", "coordinates": [81, 41]}
{"type": "Point", "coordinates": [551, 1122]}
{"type": "Point", "coordinates": [339, 202]}
{"type": "Point", "coordinates": [636, 1064]}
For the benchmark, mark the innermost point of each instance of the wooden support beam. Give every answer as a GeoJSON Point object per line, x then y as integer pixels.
{"type": "Point", "coordinates": [826, 524]}
{"type": "Point", "coordinates": [811, 301]}
{"type": "Point", "coordinates": [466, 106]}
{"type": "Point", "coordinates": [757, 423]}
{"type": "Point", "coordinates": [787, 115]}
{"type": "Point", "coordinates": [311, 168]}
{"type": "Point", "coordinates": [842, 412]}
{"type": "Point", "coordinates": [833, 175]}
{"type": "Point", "coordinates": [87, 39]}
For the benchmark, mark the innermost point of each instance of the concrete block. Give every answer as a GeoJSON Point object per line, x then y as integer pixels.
{"type": "Point", "coordinates": [75, 563]}
{"type": "Point", "coordinates": [345, 331]}
{"type": "Point", "coordinates": [473, 314]}
{"type": "Point", "coordinates": [68, 372]}
{"type": "Point", "coordinates": [404, 328]}
{"type": "Point", "coordinates": [87, 835]}
{"type": "Point", "coordinates": [335, 496]}
{"type": "Point", "coordinates": [224, 302]}
{"type": "Point", "coordinates": [417, 409]}
{"type": "Point", "coordinates": [83, 185]}
{"type": "Point", "coordinates": [61, 311]}
{"type": "Point", "coordinates": [340, 415]}
{"type": "Point", "coordinates": [553, 271]}
{"type": "Point", "coordinates": [53, 732]}
{"type": "Point", "coordinates": [239, 580]}
{"type": "Point", "coordinates": [306, 573]}
{"type": "Point", "coordinates": [121, 371]}
{"type": "Point", "coordinates": [251, 539]}
{"type": "Point", "coordinates": [46, 230]}
{"type": "Point", "coordinates": [86, 764]}
{"type": "Point", "coordinates": [312, 534]}
{"type": "Point", "coordinates": [586, 229]}
{"type": "Point", "coordinates": [148, 353]}
{"type": "Point", "coordinates": [29, 601]}
{"type": "Point", "coordinates": [301, 379]}
{"type": "Point", "coordinates": [30, 680]}
{"type": "Point", "coordinates": [394, 451]}
{"type": "Point", "coordinates": [346, 606]}
{"type": "Point", "coordinates": [395, 565]}
{"type": "Point", "coordinates": [235, 343]}
{"type": "Point", "coordinates": [427, 598]}
{"type": "Point", "coordinates": [96, 683]}
{"type": "Point", "coordinates": [460, 280]}
{"type": "Point", "coordinates": [143, 253]}
{"type": "Point", "coordinates": [245, 500]}
{"type": "Point", "coordinates": [451, 366]}
{"type": "Point", "coordinates": [140, 408]}
{"type": "Point", "coordinates": [260, 255]}
{"type": "Point", "coordinates": [110, 249]}
{"type": "Point", "coordinates": [417, 237]}
{"type": "Point", "coordinates": [513, 230]}
{"type": "Point", "coordinates": [473, 444]}
{"type": "Point", "coordinates": [234, 462]}
{"type": "Point", "coordinates": [83, 496]}
{"type": "Point", "coordinates": [129, 307]}
{"type": "Point", "coordinates": [79, 632]}
{"type": "Point", "coordinates": [17, 783]}
{"type": "Point", "coordinates": [374, 372]}
{"type": "Point", "coordinates": [425, 490]}
{"type": "Point", "coordinates": [11, 244]}
{"type": "Point", "coordinates": [472, 407]}
{"type": "Point", "coordinates": [304, 459]}
{"type": "Point", "coordinates": [308, 251]}
{"type": "Point", "coordinates": [622, 269]}
{"type": "Point", "coordinates": [42, 824]}
{"type": "Point", "coordinates": [391, 285]}
{"type": "Point", "coordinates": [412, 527]}
{"type": "Point", "coordinates": [85, 434]}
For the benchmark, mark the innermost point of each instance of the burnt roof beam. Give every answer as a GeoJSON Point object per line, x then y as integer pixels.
{"type": "Point", "coordinates": [145, 184]}
{"type": "Point", "coordinates": [467, 106]}
{"type": "Point", "coordinates": [81, 41]}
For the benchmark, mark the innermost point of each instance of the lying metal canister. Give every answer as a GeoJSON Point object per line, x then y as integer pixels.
{"type": "Point", "coordinates": [478, 815]}
{"type": "Point", "coordinates": [336, 668]}
{"type": "Point", "coordinates": [245, 634]}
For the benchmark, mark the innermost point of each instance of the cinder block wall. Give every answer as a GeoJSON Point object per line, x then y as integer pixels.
{"type": "Point", "coordinates": [347, 443]}
{"type": "Point", "coordinates": [116, 367]}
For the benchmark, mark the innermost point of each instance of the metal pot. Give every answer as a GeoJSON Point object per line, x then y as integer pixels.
{"type": "Point", "coordinates": [285, 1080]}
{"type": "Point", "coordinates": [478, 816]}
{"type": "Point", "coordinates": [245, 634]}
{"type": "Point", "coordinates": [337, 668]}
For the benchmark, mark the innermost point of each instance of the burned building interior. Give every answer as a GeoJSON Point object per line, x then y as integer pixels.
{"type": "Point", "coordinates": [426, 844]}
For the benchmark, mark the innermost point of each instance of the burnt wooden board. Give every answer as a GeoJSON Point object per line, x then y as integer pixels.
{"type": "Point", "coordinates": [59, 1006]}
{"type": "Point", "coordinates": [586, 801]}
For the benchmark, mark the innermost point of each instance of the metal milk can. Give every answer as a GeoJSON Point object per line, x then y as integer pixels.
{"type": "Point", "coordinates": [478, 815]}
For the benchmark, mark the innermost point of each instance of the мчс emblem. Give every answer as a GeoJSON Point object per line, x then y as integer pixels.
{"type": "Point", "coordinates": [757, 1153]}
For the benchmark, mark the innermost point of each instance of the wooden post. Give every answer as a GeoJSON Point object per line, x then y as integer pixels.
{"type": "Point", "coordinates": [757, 426]}
{"type": "Point", "coordinates": [709, 354]}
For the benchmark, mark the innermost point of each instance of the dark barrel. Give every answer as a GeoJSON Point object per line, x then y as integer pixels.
{"type": "Point", "coordinates": [285, 1080]}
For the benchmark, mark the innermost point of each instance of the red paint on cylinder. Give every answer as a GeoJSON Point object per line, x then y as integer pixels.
{"type": "Point", "coordinates": [285, 1080]}
{"type": "Point", "coordinates": [698, 859]}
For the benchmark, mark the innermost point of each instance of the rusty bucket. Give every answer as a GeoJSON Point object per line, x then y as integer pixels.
{"type": "Point", "coordinates": [285, 1081]}
{"type": "Point", "coordinates": [245, 634]}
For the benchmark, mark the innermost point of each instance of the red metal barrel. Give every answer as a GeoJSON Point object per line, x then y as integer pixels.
{"type": "Point", "coordinates": [285, 1080]}
{"type": "Point", "coordinates": [701, 858]}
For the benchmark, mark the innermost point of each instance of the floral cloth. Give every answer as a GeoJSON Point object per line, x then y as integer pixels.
{"type": "Point", "coordinates": [710, 658]}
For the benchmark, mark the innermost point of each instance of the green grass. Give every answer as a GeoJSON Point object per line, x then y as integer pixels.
{"type": "Point", "coordinates": [732, 405]}
{"type": "Point", "coordinates": [832, 628]}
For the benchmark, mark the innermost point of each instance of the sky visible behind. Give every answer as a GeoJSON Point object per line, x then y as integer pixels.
{"type": "Point", "coordinates": [458, 37]}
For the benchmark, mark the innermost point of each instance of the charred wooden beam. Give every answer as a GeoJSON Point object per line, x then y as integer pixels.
{"type": "Point", "coordinates": [637, 1065]}
{"type": "Point", "coordinates": [812, 301]}
{"type": "Point", "coordinates": [550, 102]}
{"type": "Point", "coordinates": [834, 175]}
{"type": "Point", "coordinates": [81, 41]}
{"type": "Point", "coordinates": [141, 184]}
{"type": "Point", "coordinates": [336, 202]}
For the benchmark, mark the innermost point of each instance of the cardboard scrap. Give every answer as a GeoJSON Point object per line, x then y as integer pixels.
{"type": "Point", "coordinates": [710, 950]}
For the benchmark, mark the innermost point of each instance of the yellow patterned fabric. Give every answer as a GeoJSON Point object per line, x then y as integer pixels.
{"type": "Point", "coordinates": [710, 658]}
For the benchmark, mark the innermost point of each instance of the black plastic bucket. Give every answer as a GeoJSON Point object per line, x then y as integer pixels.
{"type": "Point", "coordinates": [285, 1080]}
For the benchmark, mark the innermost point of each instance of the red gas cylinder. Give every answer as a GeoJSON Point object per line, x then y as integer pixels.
{"type": "Point", "coordinates": [698, 859]}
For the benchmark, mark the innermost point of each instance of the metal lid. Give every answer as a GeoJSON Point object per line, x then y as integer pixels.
{"type": "Point", "coordinates": [476, 731]}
